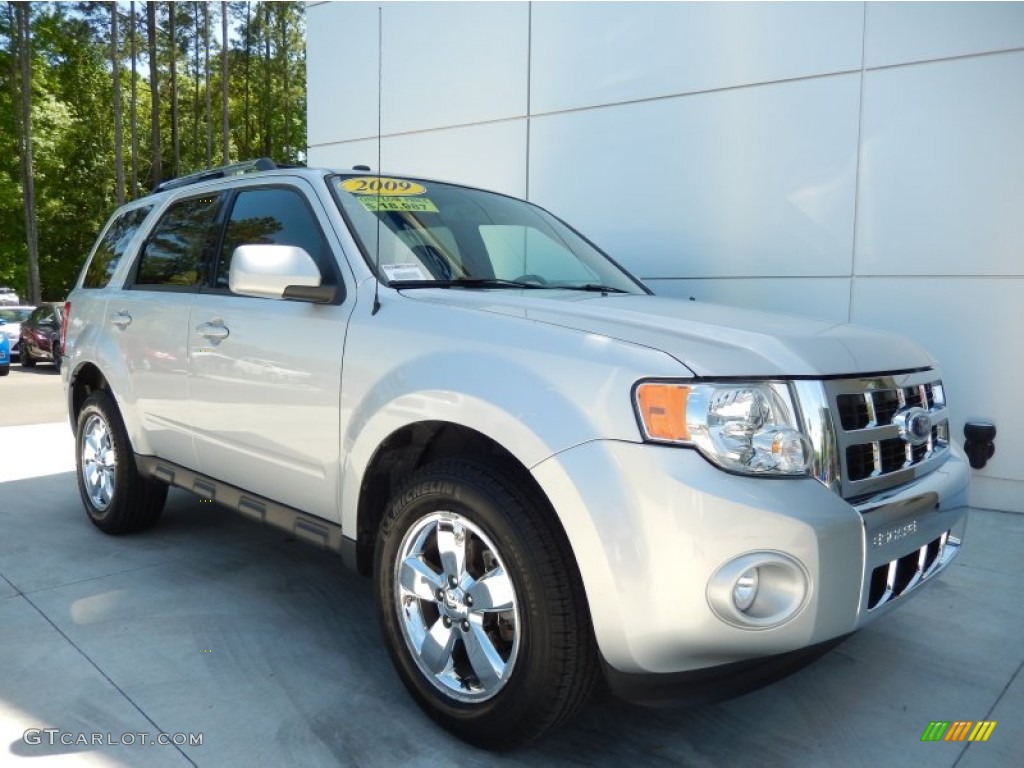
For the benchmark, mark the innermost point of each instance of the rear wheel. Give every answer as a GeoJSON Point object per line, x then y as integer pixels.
{"type": "Point", "coordinates": [116, 497]}
{"type": "Point", "coordinates": [57, 353]}
{"type": "Point", "coordinates": [482, 607]}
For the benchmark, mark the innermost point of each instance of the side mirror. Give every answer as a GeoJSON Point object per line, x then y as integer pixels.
{"type": "Point", "coordinates": [277, 272]}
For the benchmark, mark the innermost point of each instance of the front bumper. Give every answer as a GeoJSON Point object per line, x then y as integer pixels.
{"type": "Point", "coordinates": [650, 526]}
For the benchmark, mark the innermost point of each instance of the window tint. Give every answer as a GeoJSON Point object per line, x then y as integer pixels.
{"type": "Point", "coordinates": [273, 216]}
{"type": "Point", "coordinates": [173, 255]}
{"type": "Point", "coordinates": [112, 247]}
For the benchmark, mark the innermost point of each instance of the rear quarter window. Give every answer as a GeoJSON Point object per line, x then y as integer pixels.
{"type": "Point", "coordinates": [112, 246]}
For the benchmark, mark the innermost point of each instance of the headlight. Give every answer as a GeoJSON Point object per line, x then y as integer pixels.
{"type": "Point", "coordinates": [747, 427]}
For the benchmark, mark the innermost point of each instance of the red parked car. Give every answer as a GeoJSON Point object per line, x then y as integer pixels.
{"type": "Point", "coordinates": [40, 335]}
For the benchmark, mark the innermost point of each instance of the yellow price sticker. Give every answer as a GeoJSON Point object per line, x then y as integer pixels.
{"type": "Point", "coordinates": [371, 185]}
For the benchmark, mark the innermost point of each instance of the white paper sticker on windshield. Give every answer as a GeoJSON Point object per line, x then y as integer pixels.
{"type": "Point", "coordinates": [404, 272]}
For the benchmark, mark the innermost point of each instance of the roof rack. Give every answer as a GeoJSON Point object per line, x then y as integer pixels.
{"type": "Point", "coordinates": [246, 166]}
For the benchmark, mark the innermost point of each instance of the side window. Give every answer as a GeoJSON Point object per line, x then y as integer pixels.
{"type": "Point", "coordinates": [174, 252]}
{"type": "Point", "coordinates": [515, 251]}
{"type": "Point", "coordinates": [112, 247]}
{"type": "Point", "coordinates": [277, 216]}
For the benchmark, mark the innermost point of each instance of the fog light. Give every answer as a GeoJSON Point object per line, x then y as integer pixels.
{"type": "Point", "coordinates": [745, 591]}
{"type": "Point", "coordinates": [759, 590]}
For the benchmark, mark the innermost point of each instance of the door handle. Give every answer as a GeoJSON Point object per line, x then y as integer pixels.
{"type": "Point", "coordinates": [213, 332]}
{"type": "Point", "coordinates": [121, 319]}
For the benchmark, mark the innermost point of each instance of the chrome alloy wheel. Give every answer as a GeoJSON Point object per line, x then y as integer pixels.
{"type": "Point", "coordinates": [457, 607]}
{"type": "Point", "coordinates": [99, 462]}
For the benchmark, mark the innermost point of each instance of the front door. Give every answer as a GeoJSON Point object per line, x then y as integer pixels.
{"type": "Point", "coordinates": [265, 374]}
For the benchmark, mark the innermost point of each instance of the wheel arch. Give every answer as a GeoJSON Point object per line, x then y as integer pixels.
{"type": "Point", "coordinates": [85, 380]}
{"type": "Point", "coordinates": [417, 444]}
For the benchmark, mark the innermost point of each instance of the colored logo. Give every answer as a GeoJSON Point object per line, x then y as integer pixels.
{"type": "Point", "coordinates": [958, 730]}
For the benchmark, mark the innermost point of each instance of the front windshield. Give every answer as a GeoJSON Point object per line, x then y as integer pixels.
{"type": "Point", "coordinates": [443, 234]}
{"type": "Point", "coordinates": [14, 315]}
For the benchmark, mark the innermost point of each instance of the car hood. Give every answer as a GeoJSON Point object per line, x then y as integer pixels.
{"type": "Point", "coordinates": [709, 339]}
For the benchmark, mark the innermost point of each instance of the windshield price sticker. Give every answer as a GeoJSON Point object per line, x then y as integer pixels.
{"type": "Point", "coordinates": [403, 271]}
{"type": "Point", "coordinates": [414, 204]}
{"type": "Point", "coordinates": [371, 185]}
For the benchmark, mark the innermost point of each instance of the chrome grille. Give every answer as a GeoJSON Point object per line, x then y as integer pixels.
{"type": "Point", "coordinates": [872, 452]}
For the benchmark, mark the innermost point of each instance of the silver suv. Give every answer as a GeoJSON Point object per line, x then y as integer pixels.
{"type": "Point", "coordinates": [550, 473]}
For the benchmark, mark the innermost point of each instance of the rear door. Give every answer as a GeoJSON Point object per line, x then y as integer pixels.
{"type": "Point", "coordinates": [265, 374]}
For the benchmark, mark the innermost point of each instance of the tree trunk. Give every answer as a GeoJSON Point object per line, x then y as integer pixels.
{"type": "Point", "coordinates": [224, 72]}
{"type": "Point", "coordinates": [134, 186]}
{"type": "Point", "coordinates": [283, 17]}
{"type": "Point", "coordinates": [248, 56]}
{"type": "Point", "coordinates": [265, 107]}
{"type": "Point", "coordinates": [154, 91]}
{"type": "Point", "coordinates": [22, 37]}
{"type": "Point", "coordinates": [172, 34]}
{"type": "Point", "coordinates": [195, 72]}
{"type": "Point", "coordinates": [206, 80]}
{"type": "Point", "coordinates": [115, 62]}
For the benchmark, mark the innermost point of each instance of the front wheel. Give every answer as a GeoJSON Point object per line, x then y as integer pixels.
{"type": "Point", "coordinates": [116, 497]}
{"type": "Point", "coordinates": [481, 606]}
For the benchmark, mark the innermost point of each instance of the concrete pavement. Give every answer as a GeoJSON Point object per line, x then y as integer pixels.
{"type": "Point", "coordinates": [211, 626]}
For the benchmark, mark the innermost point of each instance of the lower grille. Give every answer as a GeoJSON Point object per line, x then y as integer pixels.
{"type": "Point", "coordinates": [898, 577]}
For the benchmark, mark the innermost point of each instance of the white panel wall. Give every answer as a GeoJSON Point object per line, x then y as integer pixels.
{"type": "Point", "coordinates": [488, 155]}
{"type": "Point", "coordinates": [589, 54]}
{"type": "Point", "coordinates": [942, 168]}
{"type": "Point", "coordinates": [742, 182]}
{"type": "Point", "coordinates": [438, 70]}
{"type": "Point", "coordinates": [900, 33]}
{"type": "Point", "coordinates": [856, 162]}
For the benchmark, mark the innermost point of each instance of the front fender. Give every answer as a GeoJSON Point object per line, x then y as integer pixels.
{"type": "Point", "coordinates": [535, 389]}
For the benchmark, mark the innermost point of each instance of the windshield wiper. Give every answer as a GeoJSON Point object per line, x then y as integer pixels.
{"type": "Point", "coordinates": [464, 282]}
{"type": "Point", "coordinates": [594, 287]}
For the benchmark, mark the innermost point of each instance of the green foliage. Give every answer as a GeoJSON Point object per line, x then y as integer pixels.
{"type": "Point", "coordinates": [73, 114]}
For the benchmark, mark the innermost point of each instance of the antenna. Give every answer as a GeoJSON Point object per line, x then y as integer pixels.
{"type": "Point", "coordinates": [380, 84]}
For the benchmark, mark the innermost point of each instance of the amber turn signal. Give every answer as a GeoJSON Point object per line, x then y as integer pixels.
{"type": "Point", "coordinates": [663, 410]}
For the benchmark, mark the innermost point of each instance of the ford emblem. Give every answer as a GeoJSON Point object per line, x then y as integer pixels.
{"type": "Point", "coordinates": [914, 424]}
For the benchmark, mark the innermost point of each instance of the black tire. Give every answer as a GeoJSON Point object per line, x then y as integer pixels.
{"type": "Point", "coordinates": [116, 497]}
{"type": "Point", "coordinates": [26, 359]}
{"type": "Point", "coordinates": [55, 349]}
{"type": "Point", "coordinates": [5, 370]}
{"type": "Point", "coordinates": [545, 644]}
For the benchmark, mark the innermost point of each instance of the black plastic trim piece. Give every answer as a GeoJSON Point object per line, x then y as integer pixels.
{"type": "Point", "coordinates": [318, 294]}
{"type": "Point", "coordinates": [301, 525]}
{"type": "Point", "coordinates": [706, 686]}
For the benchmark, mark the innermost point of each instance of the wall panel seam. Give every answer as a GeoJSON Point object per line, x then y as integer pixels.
{"type": "Point", "coordinates": [938, 59]}
{"type": "Point", "coordinates": [856, 171]}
